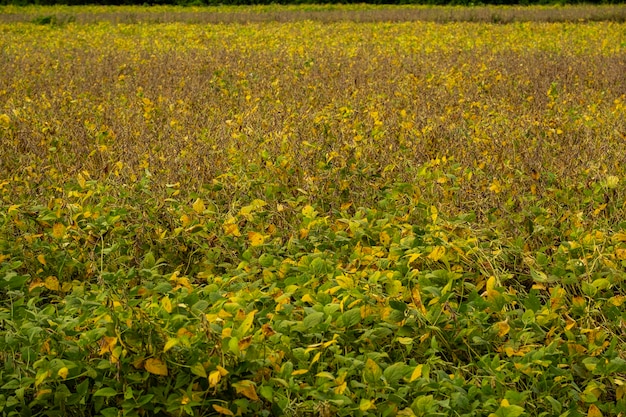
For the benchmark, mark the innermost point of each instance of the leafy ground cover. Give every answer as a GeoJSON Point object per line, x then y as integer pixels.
{"type": "Point", "coordinates": [312, 218]}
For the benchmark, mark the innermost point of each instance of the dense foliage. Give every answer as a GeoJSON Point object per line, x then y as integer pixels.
{"type": "Point", "coordinates": [315, 219]}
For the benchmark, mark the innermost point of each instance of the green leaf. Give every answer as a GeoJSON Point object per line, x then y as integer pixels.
{"type": "Point", "coordinates": [318, 266]}
{"type": "Point", "coordinates": [539, 276]}
{"type": "Point", "coordinates": [351, 317]}
{"type": "Point", "coordinates": [509, 411]}
{"type": "Point", "coordinates": [110, 412]}
{"type": "Point", "coordinates": [398, 305]}
{"type": "Point", "coordinates": [145, 399]}
{"type": "Point", "coordinates": [13, 384]}
{"type": "Point", "coordinates": [528, 317]}
{"type": "Point", "coordinates": [313, 319]}
{"type": "Point", "coordinates": [266, 392]}
{"type": "Point", "coordinates": [556, 405]}
{"type": "Point", "coordinates": [198, 369]}
{"type": "Point", "coordinates": [601, 283]}
{"type": "Point", "coordinates": [13, 281]}
{"type": "Point", "coordinates": [397, 371]}
{"type": "Point", "coordinates": [105, 392]}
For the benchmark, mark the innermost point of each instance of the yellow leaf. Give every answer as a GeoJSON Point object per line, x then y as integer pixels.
{"type": "Point", "coordinates": [198, 206]}
{"type": "Point", "coordinates": [417, 299]}
{"type": "Point", "coordinates": [434, 213]}
{"type": "Point", "coordinates": [246, 325]}
{"type": "Point", "coordinates": [340, 389]}
{"type": "Point", "coordinates": [58, 230]}
{"type": "Point", "coordinates": [594, 411]}
{"type": "Point", "coordinates": [366, 404]}
{"type": "Point", "coordinates": [345, 282]}
{"type": "Point", "coordinates": [299, 372]}
{"type": "Point", "coordinates": [256, 239]}
{"type": "Point", "coordinates": [316, 358]}
{"type": "Point", "coordinates": [495, 187]}
{"type": "Point", "coordinates": [308, 299]}
{"type": "Point", "coordinates": [51, 283]}
{"type": "Point", "coordinates": [185, 220]}
{"type": "Point", "coordinates": [437, 253]}
{"type": "Point", "coordinates": [384, 238]}
{"type": "Point", "coordinates": [246, 388]}
{"type": "Point", "coordinates": [156, 367]}
{"type": "Point", "coordinates": [619, 237]}
{"type": "Point", "coordinates": [503, 328]}
{"type": "Point", "coordinates": [413, 257]}
{"type": "Point", "coordinates": [254, 206]}
{"type": "Point", "coordinates": [166, 303]}
{"type": "Point", "coordinates": [617, 300]}
{"type": "Point", "coordinates": [600, 208]}
{"type": "Point", "coordinates": [372, 371]}
{"type": "Point", "coordinates": [35, 284]}
{"type": "Point", "coordinates": [417, 372]}
{"type": "Point", "coordinates": [214, 378]}
{"type": "Point", "coordinates": [231, 229]}
{"type": "Point", "coordinates": [222, 410]}
{"type": "Point", "coordinates": [5, 120]}
{"type": "Point", "coordinates": [170, 344]}
{"type": "Point", "coordinates": [81, 181]}
{"type": "Point", "coordinates": [621, 254]}
{"type": "Point", "coordinates": [107, 344]}
{"type": "Point", "coordinates": [244, 343]}
{"type": "Point", "coordinates": [222, 371]}
{"type": "Point", "coordinates": [41, 259]}
{"type": "Point", "coordinates": [308, 211]}
{"type": "Point", "coordinates": [63, 372]}
{"type": "Point", "coordinates": [612, 181]}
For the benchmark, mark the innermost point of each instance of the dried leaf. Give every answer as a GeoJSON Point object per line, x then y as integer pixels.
{"type": "Point", "coordinates": [222, 410]}
{"type": "Point", "coordinates": [594, 411]}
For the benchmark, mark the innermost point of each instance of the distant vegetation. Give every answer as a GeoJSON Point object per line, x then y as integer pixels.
{"type": "Point", "coordinates": [300, 2]}
{"type": "Point", "coordinates": [60, 14]}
